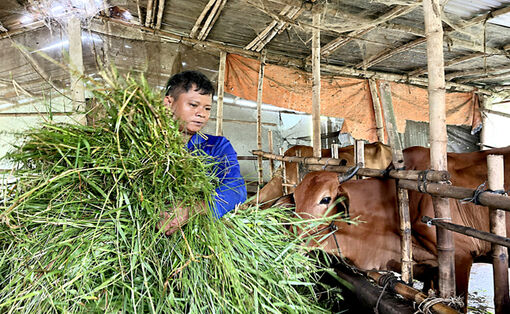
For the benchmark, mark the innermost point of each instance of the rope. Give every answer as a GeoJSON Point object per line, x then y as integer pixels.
{"type": "Point", "coordinates": [482, 188]}
{"type": "Point", "coordinates": [428, 303]}
{"type": "Point", "coordinates": [376, 308]}
{"type": "Point", "coordinates": [326, 164]}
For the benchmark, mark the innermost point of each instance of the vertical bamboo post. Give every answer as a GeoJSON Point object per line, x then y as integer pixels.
{"type": "Point", "coordinates": [359, 156]}
{"type": "Point", "coordinates": [438, 140]}
{"type": "Point", "coordinates": [495, 169]}
{"type": "Point", "coordinates": [76, 65]}
{"type": "Point", "coordinates": [259, 112]}
{"type": "Point", "coordinates": [284, 175]}
{"type": "Point", "coordinates": [334, 151]}
{"type": "Point", "coordinates": [221, 92]}
{"type": "Point", "coordinates": [316, 85]}
{"type": "Point", "coordinates": [376, 103]}
{"type": "Point", "coordinates": [403, 197]}
{"type": "Point", "coordinates": [270, 143]}
{"type": "Point", "coordinates": [298, 165]}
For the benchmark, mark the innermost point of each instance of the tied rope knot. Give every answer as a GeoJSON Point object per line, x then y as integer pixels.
{"type": "Point", "coordinates": [428, 303]}
{"type": "Point", "coordinates": [482, 188]}
{"type": "Point", "coordinates": [429, 223]}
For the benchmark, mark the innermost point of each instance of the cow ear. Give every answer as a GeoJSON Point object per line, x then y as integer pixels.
{"type": "Point", "coordinates": [286, 201]}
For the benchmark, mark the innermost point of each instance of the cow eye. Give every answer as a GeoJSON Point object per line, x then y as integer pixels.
{"type": "Point", "coordinates": [325, 200]}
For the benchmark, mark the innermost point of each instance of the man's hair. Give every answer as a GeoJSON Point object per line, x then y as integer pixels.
{"type": "Point", "coordinates": [182, 82]}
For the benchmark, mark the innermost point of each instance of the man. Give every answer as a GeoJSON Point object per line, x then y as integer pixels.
{"type": "Point", "coordinates": [189, 95]}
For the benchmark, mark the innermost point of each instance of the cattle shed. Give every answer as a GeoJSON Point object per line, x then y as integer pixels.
{"type": "Point", "coordinates": [306, 72]}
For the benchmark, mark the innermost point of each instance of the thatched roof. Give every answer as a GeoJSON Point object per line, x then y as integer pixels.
{"type": "Point", "coordinates": [377, 38]}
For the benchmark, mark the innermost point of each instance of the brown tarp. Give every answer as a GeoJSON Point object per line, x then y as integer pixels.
{"type": "Point", "coordinates": [342, 97]}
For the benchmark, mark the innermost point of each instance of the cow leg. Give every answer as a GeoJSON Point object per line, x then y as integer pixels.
{"type": "Point", "coordinates": [463, 265]}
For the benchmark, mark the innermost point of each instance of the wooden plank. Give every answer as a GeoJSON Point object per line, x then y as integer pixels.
{"type": "Point", "coordinates": [316, 84]}
{"type": "Point", "coordinates": [359, 156]}
{"type": "Point", "coordinates": [495, 168]}
{"type": "Point", "coordinates": [284, 174]}
{"type": "Point", "coordinates": [402, 194]}
{"type": "Point", "coordinates": [259, 112]}
{"type": "Point", "coordinates": [438, 140]}
{"type": "Point", "coordinates": [221, 92]}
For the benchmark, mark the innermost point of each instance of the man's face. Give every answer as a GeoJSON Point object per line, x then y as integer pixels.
{"type": "Point", "coordinates": [191, 108]}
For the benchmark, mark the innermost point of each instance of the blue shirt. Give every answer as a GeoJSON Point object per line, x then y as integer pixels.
{"type": "Point", "coordinates": [231, 190]}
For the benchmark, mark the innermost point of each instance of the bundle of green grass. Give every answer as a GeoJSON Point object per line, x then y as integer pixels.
{"type": "Point", "coordinates": [78, 229]}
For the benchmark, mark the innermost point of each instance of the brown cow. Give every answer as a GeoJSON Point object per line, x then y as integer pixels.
{"type": "Point", "coordinates": [375, 243]}
{"type": "Point", "coordinates": [377, 156]}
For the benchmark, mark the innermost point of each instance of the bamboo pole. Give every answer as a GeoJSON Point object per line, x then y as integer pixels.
{"type": "Point", "coordinates": [148, 18]}
{"type": "Point", "coordinates": [482, 235]}
{"type": "Point", "coordinates": [316, 87]}
{"type": "Point", "coordinates": [376, 103]}
{"type": "Point", "coordinates": [259, 112]}
{"type": "Point", "coordinates": [200, 18]}
{"type": "Point", "coordinates": [287, 61]}
{"type": "Point", "coordinates": [334, 151]}
{"type": "Point", "coordinates": [495, 168]}
{"type": "Point", "coordinates": [270, 144]}
{"type": "Point", "coordinates": [402, 194]}
{"type": "Point", "coordinates": [161, 10]}
{"type": "Point", "coordinates": [359, 156]}
{"type": "Point", "coordinates": [331, 164]}
{"type": "Point", "coordinates": [76, 65]}
{"type": "Point", "coordinates": [457, 192]}
{"type": "Point", "coordinates": [284, 175]}
{"type": "Point", "coordinates": [221, 91]}
{"type": "Point", "coordinates": [412, 294]}
{"type": "Point", "coordinates": [438, 140]}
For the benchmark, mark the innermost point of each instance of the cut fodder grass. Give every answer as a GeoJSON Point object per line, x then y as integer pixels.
{"type": "Point", "coordinates": [78, 228]}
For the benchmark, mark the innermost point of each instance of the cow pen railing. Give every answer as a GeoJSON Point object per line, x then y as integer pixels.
{"type": "Point", "coordinates": [434, 183]}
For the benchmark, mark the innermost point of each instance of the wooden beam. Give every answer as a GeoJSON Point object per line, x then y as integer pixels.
{"type": "Point", "coordinates": [438, 140]}
{"type": "Point", "coordinates": [486, 17]}
{"type": "Point", "coordinates": [316, 84]}
{"type": "Point", "coordinates": [481, 71]}
{"type": "Point", "coordinates": [278, 58]}
{"type": "Point", "coordinates": [342, 40]}
{"type": "Point", "coordinates": [497, 221]}
{"type": "Point", "coordinates": [219, 102]}
{"type": "Point", "coordinates": [260, 87]}
{"type": "Point", "coordinates": [161, 10]}
{"type": "Point", "coordinates": [402, 194]}
{"type": "Point", "coordinates": [453, 61]}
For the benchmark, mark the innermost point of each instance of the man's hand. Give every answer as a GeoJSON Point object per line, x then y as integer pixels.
{"type": "Point", "coordinates": [171, 222]}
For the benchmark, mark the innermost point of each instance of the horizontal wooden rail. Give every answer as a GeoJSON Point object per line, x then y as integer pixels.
{"type": "Point", "coordinates": [485, 198]}
{"type": "Point", "coordinates": [482, 235]}
{"type": "Point", "coordinates": [331, 164]}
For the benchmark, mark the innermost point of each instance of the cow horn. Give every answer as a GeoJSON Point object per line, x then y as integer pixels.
{"type": "Point", "coordinates": [349, 174]}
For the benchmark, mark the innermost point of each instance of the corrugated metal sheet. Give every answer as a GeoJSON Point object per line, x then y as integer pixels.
{"type": "Point", "coordinates": [467, 9]}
